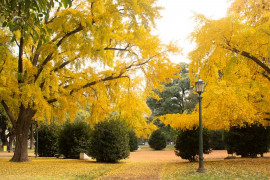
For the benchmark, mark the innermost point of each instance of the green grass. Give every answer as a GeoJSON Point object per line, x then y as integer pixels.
{"type": "Point", "coordinates": [29, 150]}
{"type": "Point", "coordinates": [147, 148]}
{"type": "Point", "coordinates": [257, 168]}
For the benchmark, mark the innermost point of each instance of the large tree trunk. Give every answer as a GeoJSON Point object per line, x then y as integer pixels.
{"type": "Point", "coordinates": [21, 132]}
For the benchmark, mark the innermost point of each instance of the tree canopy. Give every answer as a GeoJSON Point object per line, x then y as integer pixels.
{"type": "Point", "coordinates": [232, 57]}
{"type": "Point", "coordinates": [95, 54]}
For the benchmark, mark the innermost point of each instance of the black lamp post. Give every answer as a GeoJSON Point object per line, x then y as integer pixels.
{"type": "Point", "coordinates": [199, 88]}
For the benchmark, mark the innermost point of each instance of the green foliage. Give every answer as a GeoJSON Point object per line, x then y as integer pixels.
{"type": "Point", "coordinates": [74, 139]}
{"type": "Point", "coordinates": [133, 141]}
{"type": "Point", "coordinates": [247, 141]}
{"type": "Point", "coordinates": [28, 14]}
{"type": "Point", "coordinates": [187, 144]}
{"type": "Point", "coordinates": [109, 141]}
{"type": "Point", "coordinates": [216, 140]}
{"type": "Point", "coordinates": [157, 140]}
{"type": "Point", "coordinates": [175, 98]}
{"type": "Point", "coordinates": [47, 140]}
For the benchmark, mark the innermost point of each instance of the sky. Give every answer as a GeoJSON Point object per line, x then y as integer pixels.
{"type": "Point", "coordinates": [176, 23]}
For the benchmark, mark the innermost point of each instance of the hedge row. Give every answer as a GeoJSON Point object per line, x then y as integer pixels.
{"type": "Point", "coordinates": [108, 141]}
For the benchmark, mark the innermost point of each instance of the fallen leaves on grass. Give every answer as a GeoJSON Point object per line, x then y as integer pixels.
{"type": "Point", "coordinates": [256, 168]}
{"type": "Point", "coordinates": [141, 165]}
{"type": "Point", "coordinates": [51, 168]}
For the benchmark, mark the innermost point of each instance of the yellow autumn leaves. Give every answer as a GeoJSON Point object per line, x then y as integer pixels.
{"type": "Point", "coordinates": [232, 57]}
{"type": "Point", "coordinates": [95, 56]}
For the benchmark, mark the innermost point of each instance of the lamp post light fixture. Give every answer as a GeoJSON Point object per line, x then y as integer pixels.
{"type": "Point", "coordinates": [199, 88]}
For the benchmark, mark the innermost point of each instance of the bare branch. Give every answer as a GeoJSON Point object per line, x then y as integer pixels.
{"type": "Point", "coordinates": [117, 49]}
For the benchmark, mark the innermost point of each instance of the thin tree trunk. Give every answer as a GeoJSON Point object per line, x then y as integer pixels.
{"type": "Point", "coordinates": [3, 127]}
{"type": "Point", "coordinates": [10, 143]}
{"type": "Point", "coordinates": [21, 131]}
{"type": "Point", "coordinates": [31, 137]}
{"type": "Point", "coordinates": [3, 138]}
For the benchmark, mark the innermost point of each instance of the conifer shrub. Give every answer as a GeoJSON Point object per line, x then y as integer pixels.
{"type": "Point", "coordinates": [109, 141]}
{"type": "Point", "coordinates": [247, 141]}
{"type": "Point", "coordinates": [216, 139]}
{"type": "Point", "coordinates": [133, 141]}
{"type": "Point", "coordinates": [187, 144]}
{"type": "Point", "coordinates": [157, 140]}
{"type": "Point", "coordinates": [47, 140]}
{"type": "Point", "coordinates": [74, 139]}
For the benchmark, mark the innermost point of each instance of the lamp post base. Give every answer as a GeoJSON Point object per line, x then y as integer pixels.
{"type": "Point", "coordinates": [201, 170]}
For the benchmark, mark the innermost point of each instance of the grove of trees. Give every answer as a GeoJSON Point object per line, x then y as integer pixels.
{"type": "Point", "coordinates": [60, 56]}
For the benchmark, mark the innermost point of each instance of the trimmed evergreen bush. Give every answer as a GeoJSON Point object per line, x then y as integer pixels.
{"type": "Point", "coordinates": [74, 139]}
{"type": "Point", "coordinates": [133, 141]}
{"type": "Point", "coordinates": [47, 140]}
{"type": "Point", "coordinates": [247, 141]}
{"type": "Point", "coordinates": [187, 144]}
{"type": "Point", "coordinates": [216, 140]}
{"type": "Point", "coordinates": [109, 141]}
{"type": "Point", "coordinates": [157, 140]}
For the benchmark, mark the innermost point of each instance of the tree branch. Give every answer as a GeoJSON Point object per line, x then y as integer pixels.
{"type": "Point", "coordinates": [11, 117]}
{"type": "Point", "coordinates": [51, 20]}
{"type": "Point", "coordinates": [78, 29]}
{"type": "Point", "coordinates": [90, 84]}
{"type": "Point", "coordinates": [118, 49]}
{"type": "Point", "coordinates": [20, 63]}
{"type": "Point", "coordinates": [49, 57]}
{"type": "Point", "coordinates": [5, 59]}
{"type": "Point", "coordinates": [249, 56]}
{"type": "Point", "coordinates": [57, 68]}
{"type": "Point", "coordinates": [109, 77]}
{"type": "Point", "coordinates": [266, 76]}
{"type": "Point", "coordinates": [64, 64]}
{"type": "Point", "coordinates": [35, 59]}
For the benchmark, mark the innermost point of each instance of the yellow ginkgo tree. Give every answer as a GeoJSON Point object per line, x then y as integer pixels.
{"type": "Point", "coordinates": [232, 57]}
{"type": "Point", "coordinates": [95, 54]}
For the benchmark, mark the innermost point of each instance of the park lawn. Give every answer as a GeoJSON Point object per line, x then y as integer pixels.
{"type": "Point", "coordinates": [136, 167]}
{"type": "Point", "coordinates": [147, 147]}
{"type": "Point", "coordinates": [255, 168]}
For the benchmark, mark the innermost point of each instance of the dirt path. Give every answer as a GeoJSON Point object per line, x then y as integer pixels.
{"type": "Point", "coordinates": [7, 154]}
